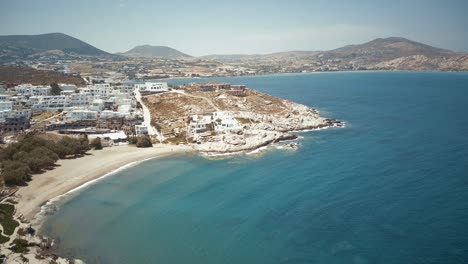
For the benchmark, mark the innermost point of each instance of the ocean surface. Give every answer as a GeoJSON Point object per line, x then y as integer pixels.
{"type": "Point", "coordinates": [391, 187]}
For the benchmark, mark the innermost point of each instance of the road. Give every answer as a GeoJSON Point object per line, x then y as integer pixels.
{"type": "Point", "coordinates": [152, 131]}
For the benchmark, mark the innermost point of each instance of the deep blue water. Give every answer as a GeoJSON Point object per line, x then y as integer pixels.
{"type": "Point", "coordinates": [391, 187]}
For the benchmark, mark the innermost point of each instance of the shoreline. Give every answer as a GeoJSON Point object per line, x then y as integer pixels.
{"type": "Point", "coordinates": [301, 73]}
{"type": "Point", "coordinates": [71, 175]}
{"type": "Point", "coordinates": [74, 174]}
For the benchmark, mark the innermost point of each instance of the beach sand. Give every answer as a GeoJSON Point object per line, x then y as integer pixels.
{"type": "Point", "coordinates": [72, 173]}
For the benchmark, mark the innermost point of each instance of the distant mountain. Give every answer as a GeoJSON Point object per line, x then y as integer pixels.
{"type": "Point", "coordinates": [149, 51]}
{"type": "Point", "coordinates": [397, 54]}
{"type": "Point", "coordinates": [386, 49]}
{"type": "Point", "coordinates": [392, 53]}
{"type": "Point", "coordinates": [19, 46]}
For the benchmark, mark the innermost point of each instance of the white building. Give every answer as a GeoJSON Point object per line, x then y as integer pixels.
{"type": "Point", "coordinates": [6, 106]}
{"type": "Point", "coordinates": [20, 113]}
{"type": "Point", "coordinates": [31, 90]}
{"type": "Point", "coordinates": [101, 90]}
{"type": "Point", "coordinates": [141, 130]}
{"type": "Point", "coordinates": [45, 103]}
{"type": "Point", "coordinates": [67, 87]}
{"type": "Point", "coordinates": [225, 121]}
{"type": "Point", "coordinates": [216, 121]}
{"type": "Point", "coordinates": [107, 114]}
{"type": "Point", "coordinates": [115, 137]}
{"type": "Point", "coordinates": [4, 97]}
{"type": "Point", "coordinates": [80, 99]}
{"type": "Point", "coordinates": [78, 115]}
{"type": "Point", "coordinates": [126, 88]}
{"type": "Point", "coordinates": [96, 105]}
{"type": "Point", "coordinates": [199, 124]}
{"type": "Point", "coordinates": [152, 87]}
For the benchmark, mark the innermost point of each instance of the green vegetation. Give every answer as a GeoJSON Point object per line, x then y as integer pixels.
{"type": "Point", "coordinates": [3, 239]}
{"type": "Point", "coordinates": [140, 142]}
{"type": "Point", "coordinates": [55, 89]}
{"type": "Point", "coordinates": [6, 218]}
{"type": "Point", "coordinates": [144, 142]}
{"type": "Point", "coordinates": [33, 154]}
{"type": "Point", "coordinates": [20, 246]}
{"type": "Point", "coordinates": [132, 140]}
{"type": "Point", "coordinates": [96, 143]}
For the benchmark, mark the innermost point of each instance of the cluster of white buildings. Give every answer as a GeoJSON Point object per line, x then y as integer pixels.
{"type": "Point", "coordinates": [212, 122]}
{"type": "Point", "coordinates": [103, 103]}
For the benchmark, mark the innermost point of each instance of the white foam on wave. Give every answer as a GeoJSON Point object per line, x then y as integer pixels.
{"type": "Point", "coordinates": [255, 151]}
{"type": "Point", "coordinates": [343, 125]}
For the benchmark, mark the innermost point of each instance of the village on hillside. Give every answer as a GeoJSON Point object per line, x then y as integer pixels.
{"type": "Point", "coordinates": [111, 112]}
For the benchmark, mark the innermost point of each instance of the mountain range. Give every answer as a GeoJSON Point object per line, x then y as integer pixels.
{"type": "Point", "coordinates": [379, 54]}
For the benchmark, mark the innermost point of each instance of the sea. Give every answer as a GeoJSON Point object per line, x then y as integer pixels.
{"type": "Point", "coordinates": [389, 187]}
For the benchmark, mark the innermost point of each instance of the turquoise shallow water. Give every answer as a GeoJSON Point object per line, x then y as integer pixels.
{"type": "Point", "coordinates": [391, 187]}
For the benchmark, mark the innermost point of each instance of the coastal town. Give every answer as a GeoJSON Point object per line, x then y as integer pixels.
{"type": "Point", "coordinates": [116, 112]}
{"type": "Point", "coordinates": [97, 123]}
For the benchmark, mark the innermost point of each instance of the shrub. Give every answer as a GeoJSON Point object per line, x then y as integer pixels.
{"type": "Point", "coordinates": [132, 140]}
{"type": "Point", "coordinates": [20, 246]}
{"type": "Point", "coordinates": [144, 142]}
{"type": "Point", "coordinates": [96, 143]}
{"type": "Point", "coordinates": [15, 172]}
{"type": "Point", "coordinates": [33, 154]}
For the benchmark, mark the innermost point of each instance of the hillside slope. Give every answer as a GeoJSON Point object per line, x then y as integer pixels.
{"type": "Point", "coordinates": [24, 45]}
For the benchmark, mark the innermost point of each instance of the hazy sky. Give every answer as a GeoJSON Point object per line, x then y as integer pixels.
{"type": "Point", "coordinates": [237, 26]}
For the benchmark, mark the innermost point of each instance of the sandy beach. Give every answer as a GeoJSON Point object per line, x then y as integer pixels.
{"type": "Point", "coordinates": [72, 173]}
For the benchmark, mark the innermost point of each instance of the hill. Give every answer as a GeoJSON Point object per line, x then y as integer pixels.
{"type": "Point", "coordinates": [19, 46]}
{"type": "Point", "coordinates": [148, 51]}
{"type": "Point", "coordinates": [382, 49]}
{"type": "Point", "coordinates": [392, 53]}
{"type": "Point", "coordinates": [397, 54]}
{"type": "Point", "coordinates": [18, 75]}
{"type": "Point", "coordinates": [286, 55]}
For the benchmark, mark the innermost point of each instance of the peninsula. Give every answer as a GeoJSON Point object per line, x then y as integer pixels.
{"type": "Point", "coordinates": [75, 134]}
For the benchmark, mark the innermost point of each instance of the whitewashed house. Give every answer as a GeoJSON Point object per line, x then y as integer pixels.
{"type": "Point", "coordinates": [101, 90]}
{"type": "Point", "coordinates": [199, 124]}
{"type": "Point", "coordinates": [152, 87]}
{"type": "Point", "coordinates": [6, 106]}
{"type": "Point", "coordinates": [78, 115]}
{"type": "Point", "coordinates": [46, 103]}
{"type": "Point", "coordinates": [141, 130]}
{"type": "Point", "coordinates": [5, 97]}
{"type": "Point", "coordinates": [31, 90]}
{"type": "Point", "coordinates": [96, 105]}
{"type": "Point", "coordinates": [107, 114]}
{"type": "Point", "coordinates": [224, 121]}
{"type": "Point", "coordinates": [80, 99]}
{"type": "Point", "coordinates": [68, 87]}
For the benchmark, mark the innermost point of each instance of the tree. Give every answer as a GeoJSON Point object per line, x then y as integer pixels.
{"type": "Point", "coordinates": [144, 142]}
{"type": "Point", "coordinates": [96, 143]}
{"type": "Point", "coordinates": [15, 172]}
{"type": "Point", "coordinates": [132, 140]}
{"type": "Point", "coordinates": [55, 89]}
